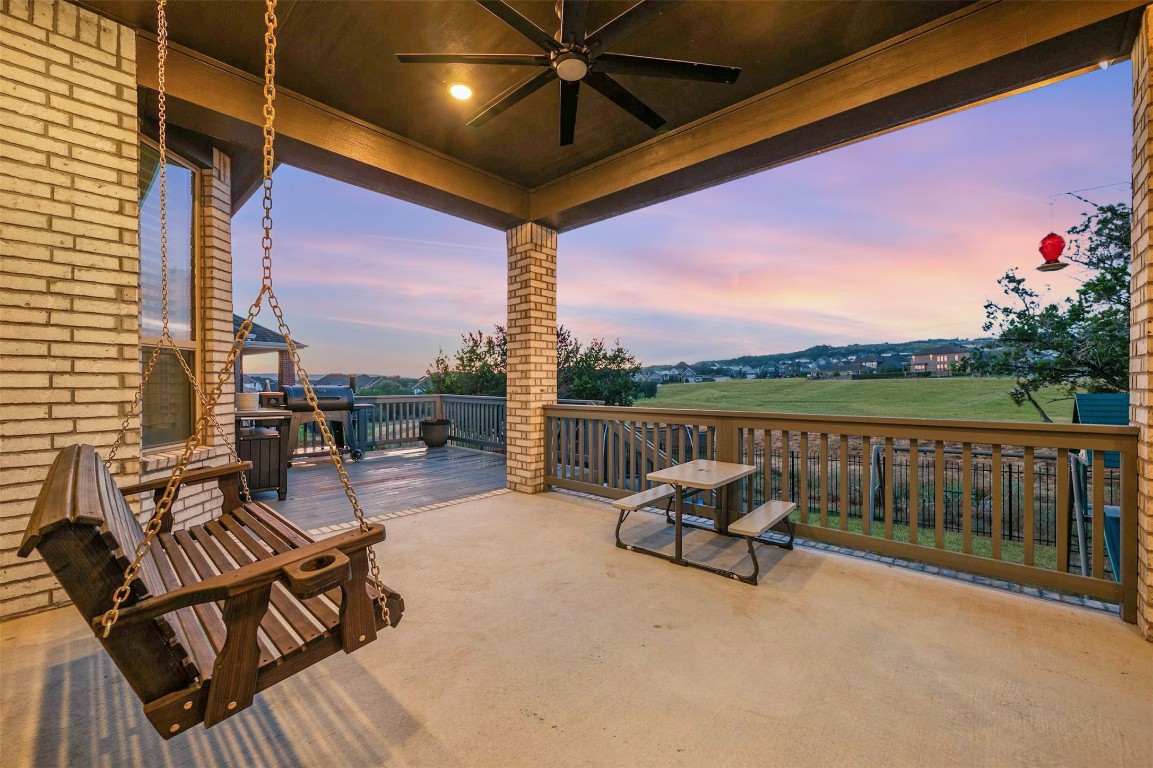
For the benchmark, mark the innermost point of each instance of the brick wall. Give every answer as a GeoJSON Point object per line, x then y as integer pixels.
{"type": "Point", "coordinates": [69, 265]}
{"type": "Point", "coordinates": [1141, 320]}
{"type": "Point", "coordinates": [531, 351]}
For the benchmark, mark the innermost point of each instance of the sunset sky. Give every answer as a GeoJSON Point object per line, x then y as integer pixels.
{"type": "Point", "coordinates": [896, 238]}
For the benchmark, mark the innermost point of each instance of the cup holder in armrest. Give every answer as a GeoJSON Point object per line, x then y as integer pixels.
{"type": "Point", "coordinates": [308, 578]}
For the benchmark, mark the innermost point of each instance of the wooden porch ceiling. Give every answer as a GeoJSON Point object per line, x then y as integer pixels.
{"type": "Point", "coordinates": [816, 75]}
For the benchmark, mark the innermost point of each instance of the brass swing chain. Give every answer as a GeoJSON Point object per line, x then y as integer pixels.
{"type": "Point", "coordinates": [108, 620]}
{"type": "Point", "coordinates": [274, 303]}
{"type": "Point", "coordinates": [165, 333]}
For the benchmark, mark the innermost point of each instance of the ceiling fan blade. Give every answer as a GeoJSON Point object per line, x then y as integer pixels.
{"type": "Point", "coordinates": [573, 18]}
{"type": "Point", "coordinates": [624, 64]}
{"type": "Point", "coordinates": [516, 59]}
{"type": "Point", "coordinates": [630, 22]}
{"type": "Point", "coordinates": [619, 95]}
{"type": "Point", "coordinates": [569, 91]}
{"type": "Point", "coordinates": [510, 16]}
{"type": "Point", "coordinates": [512, 96]}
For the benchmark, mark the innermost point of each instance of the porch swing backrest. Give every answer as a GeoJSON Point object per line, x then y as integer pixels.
{"type": "Point", "coordinates": [219, 611]}
{"type": "Point", "coordinates": [84, 528]}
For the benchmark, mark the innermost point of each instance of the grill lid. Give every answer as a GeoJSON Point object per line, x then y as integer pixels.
{"type": "Point", "coordinates": [330, 398]}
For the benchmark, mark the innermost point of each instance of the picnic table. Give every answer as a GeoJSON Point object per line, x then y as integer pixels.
{"type": "Point", "coordinates": [706, 475]}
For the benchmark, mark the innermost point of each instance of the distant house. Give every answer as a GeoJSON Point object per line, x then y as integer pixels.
{"type": "Point", "coordinates": [331, 380]}
{"type": "Point", "coordinates": [258, 382]}
{"type": "Point", "coordinates": [423, 384]}
{"type": "Point", "coordinates": [938, 361]}
{"type": "Point", "coordinates": [260, 341]}
{"type": "Point", "coordinates": [683, 372]}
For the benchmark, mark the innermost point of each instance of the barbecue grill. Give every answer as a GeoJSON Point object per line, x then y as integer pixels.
{"type": "Point", "coordinates": [337, 404]}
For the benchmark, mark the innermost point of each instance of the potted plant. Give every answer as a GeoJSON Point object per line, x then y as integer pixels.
{"type": "Point", "coordinates": [435, 432]}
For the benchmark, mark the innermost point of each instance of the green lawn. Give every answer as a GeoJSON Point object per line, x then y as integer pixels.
{"type": "Point", "coordinates": [945, 398]}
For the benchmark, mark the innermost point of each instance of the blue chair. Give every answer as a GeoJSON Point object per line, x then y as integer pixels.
{"type": "Point", "coordinates": [1083, 511]}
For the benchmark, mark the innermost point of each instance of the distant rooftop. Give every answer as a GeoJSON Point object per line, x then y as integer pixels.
{"type": "Point", "coordinates": [261, 338]}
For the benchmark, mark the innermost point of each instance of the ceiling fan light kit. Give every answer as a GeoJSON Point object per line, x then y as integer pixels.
{"type": "Point", "coordinates": [460, 91]}
{"type": "Point", "coordinates": [573, 56]}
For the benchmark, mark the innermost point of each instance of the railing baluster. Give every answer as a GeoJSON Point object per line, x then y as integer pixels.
{"type": "Point", "coordinates": [939, 493]}
{"type": "Point", "coordinates": [889, 468]}
{"type": "Point", "coordinates": [967, 498]}
{"type": "Point", "coordinates": [764, 435]}
{"type": "Point", "coordinates": [823, 474]}
{"type": "Point", "coordinates": [867, 494]}
{"type": "Point", "coordinates": [571, 454]}
{"type": "Point", "coordinates": [644, 455]}
{"type": "Point", "coordinates": [786, 467]}
{"type": "Point", "coordinates": [914, 490]}
{"type": "Point", "coordinates": [843, 493]}
{"type": "Point", "coordinates": [1027, 511]}
{"type": "Point", "coordinates": [1063, 510]}
{"type": "Point", "coordinates": [1098, 545]}
{"type": "Point", "coordinates": [804, 484]}
{"type": "Point", "coordinates": [997, 492]}
{"type": "Point", "coordinates": [619, 444]}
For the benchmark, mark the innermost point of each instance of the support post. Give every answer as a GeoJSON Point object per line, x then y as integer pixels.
{"type": "Point", "coordinates": [1141, 319]}
{"type": "Point", "coordinates": [531, 351]}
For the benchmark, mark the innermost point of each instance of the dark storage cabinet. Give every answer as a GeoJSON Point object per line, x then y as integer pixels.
{"type": "Point", "coordinates": [264, 446]}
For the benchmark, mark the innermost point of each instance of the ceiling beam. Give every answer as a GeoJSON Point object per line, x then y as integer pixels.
{"type": "Point", "coordinates": [828, 108]}
{"type": "Point", "coordinates": [331, 142]}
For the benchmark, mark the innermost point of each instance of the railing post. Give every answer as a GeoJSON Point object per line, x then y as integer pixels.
{"type": "Point", "coordinates": [438, 407]}
{"type": "Point", "coordinates": [1128, 522]}
{"type": "Point", "coordinates": [728, 441]}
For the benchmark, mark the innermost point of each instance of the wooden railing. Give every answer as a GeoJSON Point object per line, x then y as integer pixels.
{"type": "Point", "coordinates": [381, 421]}
{"type": "Point", "coordinates": [984, 497]}
{"type": "Point", "coordinates": [476, 421]}
{"type": "Point", "coordinates": [395, 419]}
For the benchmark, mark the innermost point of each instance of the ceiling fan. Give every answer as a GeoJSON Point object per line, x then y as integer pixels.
{"type": "Point", "coordinates": [574, 56]}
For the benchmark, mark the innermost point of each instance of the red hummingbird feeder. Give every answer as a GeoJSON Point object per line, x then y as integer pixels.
{"type": "Point", "coordinates": [1052, 245]}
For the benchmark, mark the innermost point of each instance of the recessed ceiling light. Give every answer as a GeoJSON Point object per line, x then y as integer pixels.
{"type": "Point", "coordinates": [460, 91]}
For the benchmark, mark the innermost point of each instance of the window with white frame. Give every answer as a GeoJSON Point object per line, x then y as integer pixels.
{"type": "Point", "coordinates": [167, 411]}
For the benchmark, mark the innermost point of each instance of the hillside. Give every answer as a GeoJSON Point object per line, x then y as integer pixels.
{"type": "Point", "coordinates": [825, 350]}
{"type": "Point", "coordinates": [944, 398]}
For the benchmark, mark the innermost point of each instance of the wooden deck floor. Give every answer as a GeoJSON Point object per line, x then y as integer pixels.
{"type": "Point", "coordinates": [387, 482]}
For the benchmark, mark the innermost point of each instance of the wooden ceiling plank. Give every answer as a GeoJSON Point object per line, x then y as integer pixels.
{"type": "Point", "coordinates": [212, 85]}
{"type": "Point", "coordinates": [968, 40]}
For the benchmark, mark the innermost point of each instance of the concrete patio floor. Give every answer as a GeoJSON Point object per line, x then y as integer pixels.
{"type": "Point", "coordinates": [529, 639]}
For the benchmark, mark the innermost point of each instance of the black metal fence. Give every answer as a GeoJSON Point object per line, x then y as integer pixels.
{"type": "Point", "coordinates": [1045, 512]}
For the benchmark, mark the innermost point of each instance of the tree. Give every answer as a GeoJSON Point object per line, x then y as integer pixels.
{"type": "Point", "coordinates": [477, 368]}
{"type": "Point", "coordinates": [593, 372]}
{"type": "Point", "coordinates": [1081, 343]}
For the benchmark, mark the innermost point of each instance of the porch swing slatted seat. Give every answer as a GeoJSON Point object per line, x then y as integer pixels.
{"type": "Point", "coordinates": [219, 611]}
{"type": "Point", "coordinates": [200, 620]}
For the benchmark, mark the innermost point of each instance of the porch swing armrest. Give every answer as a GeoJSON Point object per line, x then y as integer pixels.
{"type": "Point", "coordinates": [244, 579]}
{"type": "Point", "coordinates": [190, 478]}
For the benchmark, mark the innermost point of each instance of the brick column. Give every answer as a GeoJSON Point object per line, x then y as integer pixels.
{"type": "Point", "coordinates": [1141, 319]}
{"type": "Point", "coordinates": [69, 274]}
{"type": "Point", "coordinates": [285, 370]}
{"type": "Point", "coordinates": [531, 351]}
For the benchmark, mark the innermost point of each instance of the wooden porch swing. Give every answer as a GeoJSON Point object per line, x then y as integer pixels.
{"type": "Point", "coordinates": [208, 616]}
